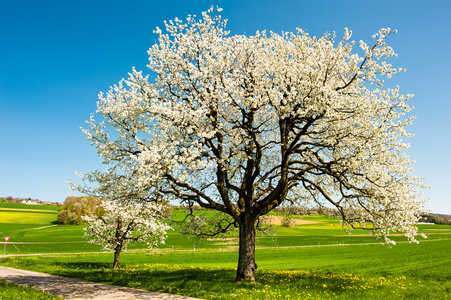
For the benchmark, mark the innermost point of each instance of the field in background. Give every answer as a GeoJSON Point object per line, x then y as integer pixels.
{"type": "Point", "coordinates": [33, 229]}
{"type": "Point", "coordinates": [307, 261]}
{"type": "Point", "coordinates": [30, 206]}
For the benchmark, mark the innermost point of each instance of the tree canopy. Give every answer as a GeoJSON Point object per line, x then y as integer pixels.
{"type": "Point", "coordinates": [123, 222]}
{"type": "Point", "coordinates": [75, 207]}
{"type": "Point", "coordinates": [242, 124]}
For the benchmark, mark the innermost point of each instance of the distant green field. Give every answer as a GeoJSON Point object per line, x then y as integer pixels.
{"type": "Point", "coordinates": [27, 216]}
{"type": "Point", "coordinates": [30, 206]}
{"type": "Point", "coordinates": [35, 231]}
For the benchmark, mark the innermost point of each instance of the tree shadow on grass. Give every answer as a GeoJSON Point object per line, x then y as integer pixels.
{"type": "Point", "coordinates": [83, 265]}
{"type": "Point", "coordinates": [219, 283]}
{"type": "Point", "coordinates": [189, 282]}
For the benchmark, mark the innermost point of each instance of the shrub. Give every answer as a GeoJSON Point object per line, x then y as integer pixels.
{"type": "Point", "coordinates": [75, 207]}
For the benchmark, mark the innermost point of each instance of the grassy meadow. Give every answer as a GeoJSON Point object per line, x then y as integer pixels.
{"type": "Point", "coordinates": [10, 290]}
{"type": "Point", "coordinates": [315, 259]}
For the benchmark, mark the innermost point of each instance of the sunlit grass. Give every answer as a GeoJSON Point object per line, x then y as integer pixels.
{"type": "Point", "coordinates": [9, 290]}
{"type": "Point", "coordinates": [337, 272]}
{"type": "Point", "coordinates": [325, 231]}
{"type": "Point", "coordinates": [29, 206]}
{"type": "Point", "coordinates": [217, 283]}
{"type": "Point", "coordinates": [23, 216]}
{"type": "Point", "coordinates": [307, 261]}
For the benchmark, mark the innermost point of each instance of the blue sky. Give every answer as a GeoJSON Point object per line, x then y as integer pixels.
{"type": "Point", "coordinates": [56, 56]}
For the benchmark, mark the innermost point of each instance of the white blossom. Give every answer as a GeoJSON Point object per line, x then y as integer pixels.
{"type": "Point", "coordinates": [242, 124]}
{"type": "Point", "coordinates": [123, 222]}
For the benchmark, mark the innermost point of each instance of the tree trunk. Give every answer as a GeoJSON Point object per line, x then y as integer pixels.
{"type": "Point", "coordinates": [246, 259]}
{"type": "Point", "coordinates": [117, 253]}
{"type": "Point", "coordinates": [118, 243]}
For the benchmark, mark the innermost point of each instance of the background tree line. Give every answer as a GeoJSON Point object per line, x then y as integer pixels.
{"type": "Point", "coordinates": [75, 207]}
{"type": "Point", "coordinates": [437, 219]}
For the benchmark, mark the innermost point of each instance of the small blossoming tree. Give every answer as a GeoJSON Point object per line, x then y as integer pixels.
{"type": "Point", "coordinates": [243, 124]}
{"type": "Point", "coordinates": [122, 222]}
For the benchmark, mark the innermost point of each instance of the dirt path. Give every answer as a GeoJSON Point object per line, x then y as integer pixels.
{"type": "Point", "coordinates": [70, 288]}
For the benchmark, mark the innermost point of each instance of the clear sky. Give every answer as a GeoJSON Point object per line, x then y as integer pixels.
{"type": "Point", "coordinates": [56, 56]}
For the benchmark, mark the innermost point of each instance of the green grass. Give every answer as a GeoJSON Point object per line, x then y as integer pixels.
{"type": "Point", "coordinates": [406, 271]}
{"type": "Point", "coordinates": [294, 263]}
{"type": "Point", "coordinates": [27, 216]}
{"type": "Point", "coordinates": [30, 206]}
{"type": "Point", "coordinates": [43, 236]}
{"type": "Point", "coordinates": [12, 291]}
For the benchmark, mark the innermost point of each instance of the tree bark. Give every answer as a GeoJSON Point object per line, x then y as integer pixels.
{"type": "Point", "coordinates": [117, 253]}
{"type": "Point", "coordinates": [118, 240]}
{"type": "Point", "coordinates": [246, 259]}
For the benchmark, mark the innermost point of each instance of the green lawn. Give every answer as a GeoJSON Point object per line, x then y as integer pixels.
{"type": "Point", "coordinates": [9, 290]}
{"type": "Point", "coordinates": [407, 271]}
{"type": "Point", "coordinates": [308, 261]}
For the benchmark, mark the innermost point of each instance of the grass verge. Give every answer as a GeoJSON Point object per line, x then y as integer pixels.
{"type": "Point", "coordinates": [12, 291]}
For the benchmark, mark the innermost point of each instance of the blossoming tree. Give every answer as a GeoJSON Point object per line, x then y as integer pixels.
{"type": "Point", "coordinates": [242, 124]}
{"type": "Point", "coordinates": [123, 222]}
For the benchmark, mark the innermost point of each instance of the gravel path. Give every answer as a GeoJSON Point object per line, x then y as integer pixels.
{"type": "Point", "coordinates": [70, 288]}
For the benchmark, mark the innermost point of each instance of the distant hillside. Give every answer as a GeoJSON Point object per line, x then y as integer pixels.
{"type": "Point", "coordinates": [437, 219]}
{"type": "Point", "coordinates": [30, 201]}
{"type": "Point", "coordinates": [448, 217]}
